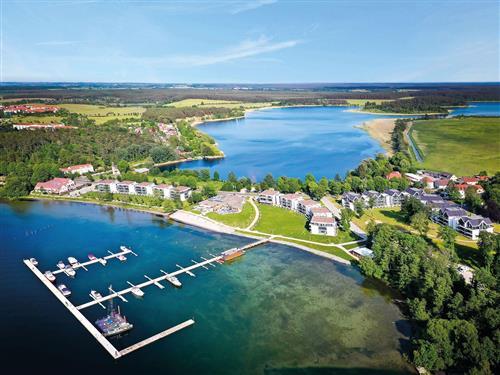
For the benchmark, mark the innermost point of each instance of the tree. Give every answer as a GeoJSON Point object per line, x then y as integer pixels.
{"type": "Point", "coordinates": [359, 207]}
{"type": "Point", "coordinates": [15, 187]}
{"type": "Point", "coordinates": [345, 218]}
{"type": "Point", "coordinates": [453, 192]}
{"type": "Point", "coordinates": [216, 176]}
{"type": "Point", "coordinates": [268, 182]}
{"type": "Point", "coordinates": [473, 200]}
{"type": "Point", "coordinates": [489, 244]}
{"type": "Point", "coordinates": [410, 206]}
{"type": "Point", "coordinates": [335, 187]}
{"type": "Point", "coordinates": [209, 191]}
{"type": "Point", "coordinates": [420, 222]}
{"type": "Point", "coordinates": [231, 177]}
{"type": "Point", "coordinates": [448, 236]}
{"type": "Point", "coordinates": [162, 154]}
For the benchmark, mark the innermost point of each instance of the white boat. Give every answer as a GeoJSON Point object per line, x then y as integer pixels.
{"type": "Point", "coordinates": [124, 248]}
{"type": "Point", "coordinates": [50, 276]}
{"type": "Point", "coordinates": [72, 261]}
{"type": "Point", "coordinates": [34, 261]}
{"type": "Point", "coordinates": [122, 258]}
{"type": "Point", "coordinates": [95, 294]}
{"type": "Point", "coordinates": [70, 271]}
{"type": "Point", "coordinates": [61, 265]}
{"type": "Point", "coordinates": [64, 289]}
{"type": "Point", "coordinates": [137, 291]}
{"type": "Point", "coordinates": [174, 281]}
{"type": "Point", "coordinates": [103, 261]}
{"type": "Point", "coordinates": [92, 257]}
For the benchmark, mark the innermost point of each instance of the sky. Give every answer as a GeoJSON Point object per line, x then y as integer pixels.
{"type": "Point", "coordinates": [259, 41]}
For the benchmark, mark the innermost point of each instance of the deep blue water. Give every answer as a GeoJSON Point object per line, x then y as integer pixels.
{"type": "Point", "coordinates": [275, 308]}
{"type": "Point", "coordinates": [295, 141]}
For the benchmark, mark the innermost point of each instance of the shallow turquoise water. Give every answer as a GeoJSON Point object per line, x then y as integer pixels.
{"type": "Point", "coordinates": [276, 310]}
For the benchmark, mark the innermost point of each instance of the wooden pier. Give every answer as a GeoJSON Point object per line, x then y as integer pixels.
{"type": "Point", "coordinates": [75, 310]}
{"type": "Point", "coordinates": [85, 264]}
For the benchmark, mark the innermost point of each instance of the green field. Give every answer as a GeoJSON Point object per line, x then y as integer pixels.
{"type": "Point", "coordinates": [362, 102]}
{"type": "Point", "coordinates": [280, 221]}
{"type": "Point", "coordinates": [216, 103]}
{"type": "Point", "coordinates": [101, 114]}
{"type": "Point", "coordinates": [240, 220]}
{"type": "Point", "coordinates": [463, 146]}
{"type": "Point", "coordinates": [20, 119]}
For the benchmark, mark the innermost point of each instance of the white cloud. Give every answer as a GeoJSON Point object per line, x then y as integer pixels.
{"type": "Point", "coordinates": [240, 7]}
{"type": "Point", "coordinates": [58, 43]}
{"type": "Point", "coordinates": [246, 48]}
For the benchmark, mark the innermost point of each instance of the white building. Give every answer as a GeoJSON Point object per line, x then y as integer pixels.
{"type": "Point", "coordinates": [290, 201]}
{"type": "Point", "coordinates": [144, 188]}
{"type": "Point", "coordinates": [305, 206]}
{"type": "Point", "coordinates": [269, 196]}
{"type": "Point", "coordinates": [55, 186]}
{"type": "Point", "coordinates": [181, 192]}
{"type": "Point", "coordinates": [163, 191]}
{"type": "Point", "coordinates": [326, 226]}
{"type": "Point", "coordinates": [106, 186]}
{"type": "Point", "coordinates": [320, 212]}
{"type": "Point", "coordinates": [79, 169]}
{"type": "Point", "coordinates": [125, 187]}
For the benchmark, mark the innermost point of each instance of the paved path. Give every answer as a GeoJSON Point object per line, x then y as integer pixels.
{"type": "Point", "coordinates": [336, 212]}
{"type": "Point", "coordinates": [409, 139]}
{"type": "Point", "coordinates": [257, 215]}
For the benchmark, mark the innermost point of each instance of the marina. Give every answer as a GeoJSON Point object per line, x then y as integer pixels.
{"type": "Point", "coordinates": [114, 323]}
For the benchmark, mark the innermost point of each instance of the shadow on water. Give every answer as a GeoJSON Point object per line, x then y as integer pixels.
{"type": "Point", "coordinates": [332, 370]}
{"type": "Point", "coordinates": [20, 207]}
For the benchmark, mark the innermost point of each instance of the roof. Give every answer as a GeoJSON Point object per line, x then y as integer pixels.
{"type": "Point", "coordinates": [393, 174]}
{"type": "Point", "coordinates": [125, 182]}
{"type": "Point", "coordinates": [309, 202]}
{"type": "Point", "coordinates": [466, 186]}
{"type": "Point", "coordinates": [414, 191]}
{"type": "Point", "coordinates": [291, 196]}
{"type": "Point", "coordinates": [428, 179]}
{"type": "Point", "coordinates": [470, 179]}
{"type": "Point", "coordinates": [182, 189]}
{"type": "Point", "coordinates": [475, 220]}
{"type": "Point", "coordinates": [146, 183]}
{"type": "Point", "coordinates": [163, 186]}
{"type": "Point", "coordinates": [350, 196]}
{"type": "Point", "coordinates": [76, 167]}
{"type": "Point", "coordinates": [269, 192]}
{"type": "Point", "coordinates": [392, 192]}
{"type": "Point", "coordinates": [106, 182]}
{"type": "Point", "coordinates": [54, 184]}
{"type": "Point", "coordinates": [442, 182]}
{"type": "Point", "coordinates": [322, 220]}
{"type": "Point", "coordinates": [320, 210]}
{"type": "Point", "coordinates": [363, 251]}
{"type": "Point", "coordinates": [453, 211]}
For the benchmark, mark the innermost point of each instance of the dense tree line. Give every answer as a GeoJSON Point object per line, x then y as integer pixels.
{"type": "Point", "coordinates": [457, 325]}
{"type": "Point", "coordinates": [398, 141]}
{"type": "Point", "coordinates": [27, 157]}
{"type": "Point", "coordinates": [423, 104]}
{"type": "Point", "coordinates": [171, 114]}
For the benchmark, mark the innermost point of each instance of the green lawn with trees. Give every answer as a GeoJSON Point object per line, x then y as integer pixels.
{"type": "Point", "coordinates": [280, 221]}
{"type": "Point", "coordinates": [463, 146]}
{"type": "Point", "coordinates": [239, 220]}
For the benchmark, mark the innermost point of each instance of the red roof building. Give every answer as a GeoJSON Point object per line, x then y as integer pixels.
{"type": "Point", "coordinates": [55, 186]}
{"type": "Point", "coordinates": [393, 174]}
{"type": "Point", "coordinates": [80, 169]}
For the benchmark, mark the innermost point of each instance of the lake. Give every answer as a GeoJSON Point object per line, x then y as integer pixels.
{"type": "Point", "coordinates": [276, 310]}
{"type": "Point", "coordinates": [295, 141]}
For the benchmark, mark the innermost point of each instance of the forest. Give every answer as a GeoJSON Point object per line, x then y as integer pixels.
{"type": "Point", "coordinates": [457, 326]}
{"type": "Point", "coordinates": [421, 104]}
{"type": "Point", "coordinates": [171, 114]}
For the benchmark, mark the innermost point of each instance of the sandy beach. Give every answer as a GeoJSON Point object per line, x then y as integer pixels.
{"type": "Point", "coordinates": [380, 130]}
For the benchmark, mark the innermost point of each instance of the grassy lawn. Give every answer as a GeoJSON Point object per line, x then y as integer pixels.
{"type": "Point", "coordinates": [280, 221]}
{"type": "Point", "coordinates": [463, 146]}
{"type": "Point", "coordinates": [101, 114]}
{"type": "Point", "coordinates": [216, 103]}
{"type": "Point", "coordinates": [239, 220]}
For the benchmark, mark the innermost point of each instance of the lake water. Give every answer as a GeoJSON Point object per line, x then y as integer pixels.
{"type": "Point", "coordinates": [276, 310]}
{"type": "Point", "coordinates": [295, 141]}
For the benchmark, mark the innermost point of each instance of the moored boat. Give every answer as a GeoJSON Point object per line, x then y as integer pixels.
{"type": "Point", "coordinates": [61, 265]}
{"type": "Point", "coordinates": [95, 294]}
{"type": "Point", "coordinates": [174, 281]}
{"type": "Point", "coordinates": [92, 257]}
{"type": "Point", "coordinates": [232, 254]}
{"type": "Point", "coordinates": [69, 271]}
{"type": "Point", "coordinates": [122, 258]}
{"type": "Point", "coordinates": [137, 292]}
{"type": "Point", "coordinates": [34, 261]}
{"type": "Point", "coordinates": [64, 289]}
{"type": "Point", "coordinates": [114, 323]}
{"type": "Point", "coordinates": [50, 276]}
{"type": "Point", "coordinates": [73, 261]}
{"type": "Point", "coordinates": [103, 261]}
{"type": "Point", "coordinates": [124, 248]}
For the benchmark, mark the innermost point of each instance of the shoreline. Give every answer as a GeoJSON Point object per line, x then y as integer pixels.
{"type": "Point", "coordinates": [380, 130]}
{"type": "Point", "coordinates": [186, 218]}
{"type": "Point", "coordinates": [395, 114]}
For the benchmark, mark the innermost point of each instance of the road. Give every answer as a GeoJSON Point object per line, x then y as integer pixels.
{"type": "Point", "coordinates": [257, 214]}
{"type": "Point", "coordinates": [336, 212]}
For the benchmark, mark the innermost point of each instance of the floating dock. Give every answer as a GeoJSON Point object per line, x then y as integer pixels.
{"type": "Point", "coordinates": [75, 310]}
